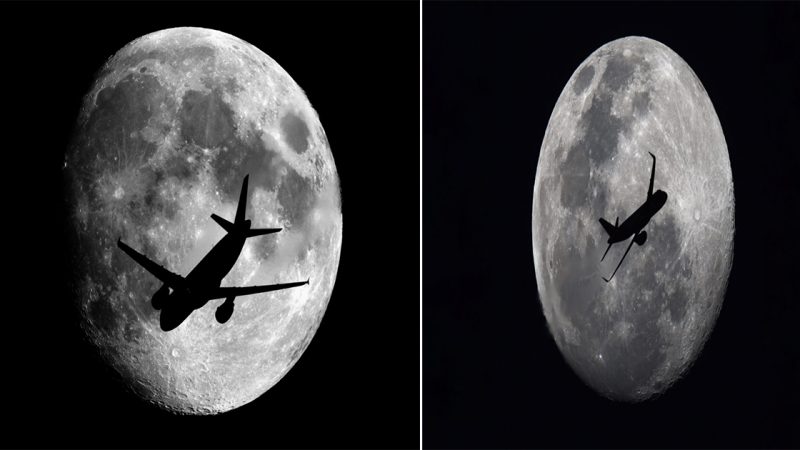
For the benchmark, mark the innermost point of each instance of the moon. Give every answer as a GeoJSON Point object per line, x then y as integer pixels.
{"type": "Point", "coordinates": [632, 338]}
{"type": "Point", "coordinates": [171, 126]}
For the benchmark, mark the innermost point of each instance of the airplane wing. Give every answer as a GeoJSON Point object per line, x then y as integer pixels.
{"type": "Point", "coordinates": [224, 292]}
{"type": "Point", "coordinates": [652, 176]}
{"type": "Point", "coordinates": [172, 280]}
{"type": "Point", "coordinates": [620, 261]}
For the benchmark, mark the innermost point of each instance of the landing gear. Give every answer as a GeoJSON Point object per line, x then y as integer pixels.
{"type": "Point", "coordinates": [224, 311]}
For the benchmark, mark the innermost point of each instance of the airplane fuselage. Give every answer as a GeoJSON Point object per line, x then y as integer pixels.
{"type": "Point", "coordinates": [207, 274]}
{"type": "Point", "coordinates": [210, 271]}
{"type": "Point", "coordinates": [633, 226]}
{"type": "Point", "coordinates": [179, 296]}
{"type": "Point", "coordinates": [640, 218]}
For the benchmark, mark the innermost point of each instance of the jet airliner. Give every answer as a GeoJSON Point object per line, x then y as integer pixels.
{"type": "Point", "coordinates": [179, 296]}
{"type": "Point", "coordinates": [634, 225]}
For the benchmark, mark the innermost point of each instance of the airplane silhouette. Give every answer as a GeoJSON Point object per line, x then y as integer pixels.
{"type": "Point", "coordinates": [178, 297]}
{"type": "Point", "coordinates": [633, 225]}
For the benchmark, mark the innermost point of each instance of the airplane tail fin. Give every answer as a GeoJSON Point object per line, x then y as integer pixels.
{"type": "Point", "coordinates": [242, 203]}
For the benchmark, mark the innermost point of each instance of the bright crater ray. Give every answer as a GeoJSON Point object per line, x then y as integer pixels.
{"type": "Point", "coordinates": [634, 337]}
{"type": "Point", "coordinates": [172, 124]}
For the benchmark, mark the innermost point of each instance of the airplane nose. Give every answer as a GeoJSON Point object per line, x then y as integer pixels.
{"type": "Point", "coordinates": [172, 316]}
{"type": "Point", "coordinates": [167, 324]}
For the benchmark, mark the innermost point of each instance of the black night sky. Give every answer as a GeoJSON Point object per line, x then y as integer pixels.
{"type": "Point", "coordinates": [357, 384]}
{"type": "Point", "coordinates": [492, 375]}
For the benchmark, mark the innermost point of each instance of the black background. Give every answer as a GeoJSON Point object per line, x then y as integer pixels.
{"type": "Point", "coordinates": [357, 384]}
{"type": "Point", "coordinates": [492, 374]}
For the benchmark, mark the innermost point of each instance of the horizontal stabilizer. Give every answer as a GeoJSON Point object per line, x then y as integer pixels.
{"type": "Point", "coordinates": [223, 223]}
{"type": "Point", "coordinates": [260, 231]}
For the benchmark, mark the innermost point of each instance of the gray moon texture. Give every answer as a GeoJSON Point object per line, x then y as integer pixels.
{"type": "Point", "coordinates": [164, 138]}
{"type": "Point", "coordinates": [634, 337]}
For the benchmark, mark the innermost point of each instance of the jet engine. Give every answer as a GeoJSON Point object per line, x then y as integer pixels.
{"type": "Point", "coordinates": [225, 310]}
{"type": "Point", "coordinates": [641, 238]}
{"type": "Point", "coordinates": [158, 298]}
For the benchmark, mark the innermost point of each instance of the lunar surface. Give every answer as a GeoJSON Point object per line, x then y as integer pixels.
{"type": "Point", "coordinates": [634, 337]}
{"type": "Point", "coordinates": [173, 123]}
